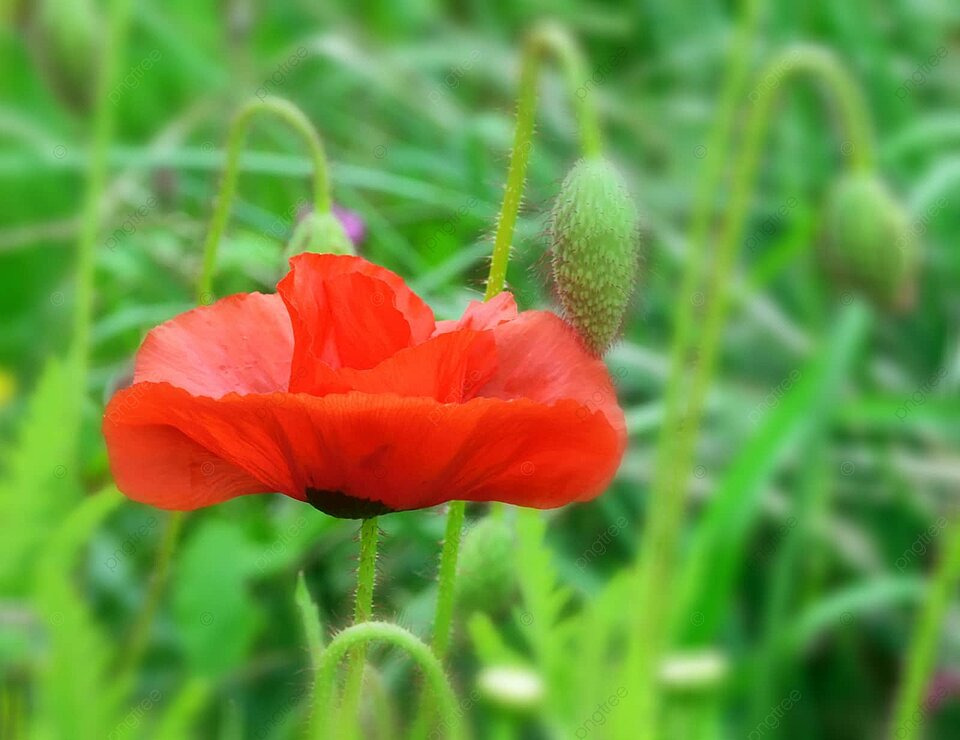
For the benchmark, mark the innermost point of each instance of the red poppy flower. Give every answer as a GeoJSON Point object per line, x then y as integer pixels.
{"type": "Point", "coordinates": [341, 390]}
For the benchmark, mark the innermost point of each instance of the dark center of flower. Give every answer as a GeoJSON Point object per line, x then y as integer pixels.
{"type": "Point", "coordinates": [344, 506]}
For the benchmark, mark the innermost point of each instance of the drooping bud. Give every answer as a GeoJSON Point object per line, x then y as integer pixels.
{"type": "Point", "coordinates": [319, 232]}
{"type": "Point", "coordinates": [594, 231]}
{"type": "Point", "coordinates": [487, 579]}
{"type": "Point", "coordinates": [867, 244]}
{"type": "Point", "coordinates": [65, 40]}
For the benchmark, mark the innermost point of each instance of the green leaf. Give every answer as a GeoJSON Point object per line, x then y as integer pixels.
{"type": "Point", "coordinates": [78, 694]}
{"type": "Point", "coordinates": [40, 483]}
{"type": "Point", "coordinates": [717, 549]}
{"type": "Point", "coordinates": [214, 613]}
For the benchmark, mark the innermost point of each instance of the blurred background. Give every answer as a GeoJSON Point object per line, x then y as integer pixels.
{"type": "Point", "coordinates": [827, 474]}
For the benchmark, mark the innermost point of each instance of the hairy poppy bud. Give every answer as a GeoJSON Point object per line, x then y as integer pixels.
{"type": "Point", "coordinates": [594, 233]}
{"type": "Point", "coordinates": [867, 243]}
{"type": "Point", "coordinates": [486, 579]}
{"type": "Point", "coordinates": [66, 36]}
{"type": "Point", "coordinates": [320, 232]}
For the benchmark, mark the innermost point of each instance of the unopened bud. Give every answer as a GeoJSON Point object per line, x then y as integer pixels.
{"type": "Point", "coordinates": [867, 243]}
{"type": "Point", "coordinates": [486, 580]}
{"type": "Point", "coordinates": [319, 232]}
{"type": "Point", "coordinates": [595, 239]}
{"type": "Point", "coordinates": [65, 40]}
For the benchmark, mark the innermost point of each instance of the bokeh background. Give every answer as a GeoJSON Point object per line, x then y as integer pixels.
{"type": "Point", "coordinates": [826, 479]}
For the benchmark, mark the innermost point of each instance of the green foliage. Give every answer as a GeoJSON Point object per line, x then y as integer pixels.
{"type": "Point", "coordinates": [41, 480]}
{"type": "Point", "coordinates": [78, 665]}
{"type": "Point", "coordinates": [215, 613]}
{"type": "Point", "coordinates": [415, 102]}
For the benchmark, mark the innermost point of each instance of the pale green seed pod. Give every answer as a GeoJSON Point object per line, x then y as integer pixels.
{"type": "Point", "coordinates": [487, 580]}
{"type": "Point", "coordinates": [594, 231]}
{"type": "Point", "coordinates": [65, 39]}
{"type": "Point", "coordinates": [319, 232]}
{"type": "Point", "coordinates": [515, 688]}
{"type": "Point", "coordinates": [867, 243]}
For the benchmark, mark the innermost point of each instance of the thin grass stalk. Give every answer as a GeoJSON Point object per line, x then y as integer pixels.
{"type": "Point", "coordinates": [681, 426]}
{"type": "Point", "coordinates": [910, 713]}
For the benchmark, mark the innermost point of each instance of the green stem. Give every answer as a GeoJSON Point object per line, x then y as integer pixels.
{"type": "Point", "coordinates": [910, 713]}
{"type": "Point", "coordinates": [104, 123]}
{"type": "Point", "coordinates": [140, 633]}
{"type": "Point", "coordinates": [446, 596]}
{"type": "Point", "coordinates": [547, 38]}
{"type": "Point", "coordinates": [681, 425]}
{"type": "Point", "coordinates": [447, 577]}
{"type": "Point", "coordinates": [362, 611]}
{"type": "Point", "coordinates": [356, 638]}
{"type": "Point", "coordinates": [295, 118]}
{"type": "Point", "coordinates": [542, 40]}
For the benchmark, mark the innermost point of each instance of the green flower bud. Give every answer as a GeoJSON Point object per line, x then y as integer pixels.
{"type": "Point", "coordinates": [66, 36]}
{"type": "Point", "coordinates": [486, 580]}
{"type": "Point", "coordinates": [867, 243]}
{"type": "Point", "coordinates": [319, 232]}
{"type": "Point", "coordinates": [595, 238]}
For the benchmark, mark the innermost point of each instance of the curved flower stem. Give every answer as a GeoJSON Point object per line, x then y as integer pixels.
{"type": "Point", "coordinates": [544, 39]}
{"type": "Point", "coordinates": [681, 425]}
{"type": "Point", "coordinates": [910, 713]}
{"type": "Point", "coordinates": [140, 633]}
{"type": "Point", "coordinates": [356, 638]}
{"type": "Point", "coordinates": [297, 120]}
{"type": "Point", "coordinates": [104, 119]}
{"type": "Point", "coordinates": [363, 609]}
{"type": "Point", "coordinates": [446, 595]}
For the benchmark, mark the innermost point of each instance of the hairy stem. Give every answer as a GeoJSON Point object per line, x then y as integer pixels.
{"type": "Point", "coordinates": [357, 637]}
{"type": "Point", "coordinates": [362, 611]}
{"type": "Point", "coordinates": [545, 39]}
{"type": "Point", "coordinates": [297, 120]}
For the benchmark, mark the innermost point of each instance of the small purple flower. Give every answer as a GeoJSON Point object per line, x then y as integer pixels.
{"type": "Point", "coordinates": [944, 686]}
{"type": "Point", "coordinates": [352, 223]}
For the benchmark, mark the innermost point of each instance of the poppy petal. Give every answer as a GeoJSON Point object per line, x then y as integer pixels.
{"type": "Point", "coordinates": [403, 453]}
{"type": "Point", "coordinates": [159, 465]}
{"type": "Point", "coordinates": [303, 290]}
{"type": "Point", "coordinates": [343, 321]}
{"type": "Point", "coordinates": [483, 314]}
{"type": "Point", "coordinates": [542, 358]}
{"type": "Point", "coordinates": [450, 368]}
{"type": "Point", "coordinates": [241, 343]}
